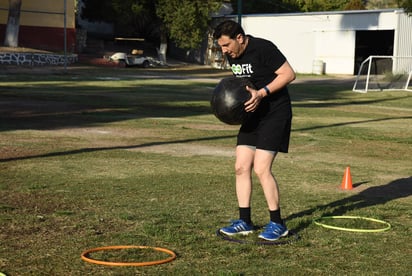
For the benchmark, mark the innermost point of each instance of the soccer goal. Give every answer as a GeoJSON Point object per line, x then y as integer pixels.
{"type": "Point", "coordinates": [379, 73]}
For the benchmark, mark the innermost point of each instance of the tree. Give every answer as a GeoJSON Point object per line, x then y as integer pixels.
{"type": "Point", "coordinates": [321, 5]}
{"type": "Point", "coordinates": [407, 5]}
{"type": "Point", "coordinates": [382, 4]}
{"type": "Point", "coordinates": [11, 38]}
{"type": "Point", "coordinates": [186, 20]}
{"type": "Point", "coordinates": [385, 4]}
{"type": "Point", "coordinates": [266, 6]}
{"type": "Point", "coordinates": [355, 5]}
{"type": "Point", "coordinates": [183, 21]}
{"type": "Point", "coordinates": [129, 17]}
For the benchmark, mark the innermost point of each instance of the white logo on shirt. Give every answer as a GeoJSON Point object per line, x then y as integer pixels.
{"type": "Point", "coordinates": [242, 69]}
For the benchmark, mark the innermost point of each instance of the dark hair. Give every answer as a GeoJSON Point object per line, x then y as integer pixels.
{"type": "Point", "coordinates": [229, 28]}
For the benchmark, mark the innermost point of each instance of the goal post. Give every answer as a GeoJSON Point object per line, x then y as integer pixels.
{"type": "Point", "coordinates": [380, 73]}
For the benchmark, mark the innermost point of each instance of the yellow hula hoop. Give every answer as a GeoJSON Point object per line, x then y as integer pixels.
{"type": "Point", "coordinates": [385, 228]}
{"type": "Point", "coordinates": [117, 247]}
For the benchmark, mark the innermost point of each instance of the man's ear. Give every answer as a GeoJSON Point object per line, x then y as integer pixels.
{"type": "Point", "coordinates": [240, 38]}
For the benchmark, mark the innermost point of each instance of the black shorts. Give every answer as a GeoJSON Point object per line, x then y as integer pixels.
{"type": "Point", "coordinates": [268, 128]}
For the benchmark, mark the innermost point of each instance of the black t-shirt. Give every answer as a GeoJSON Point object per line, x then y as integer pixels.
{"type": "Point", "coordinates": [259, 62]}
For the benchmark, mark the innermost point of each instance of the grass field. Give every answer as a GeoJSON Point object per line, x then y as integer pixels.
{"type": "Point", "coordinates": [98, 157]}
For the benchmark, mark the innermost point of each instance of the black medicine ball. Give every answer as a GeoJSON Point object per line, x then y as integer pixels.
{"type": "Point", "coordinates": [228, 100]}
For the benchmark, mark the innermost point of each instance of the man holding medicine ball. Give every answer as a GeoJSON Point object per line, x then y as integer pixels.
{"type": "Point", "coordinates": [266, 131]}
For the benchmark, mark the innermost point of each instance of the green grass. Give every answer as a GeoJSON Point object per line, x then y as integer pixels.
{"type": "Point", "coordinates": [87, 161]}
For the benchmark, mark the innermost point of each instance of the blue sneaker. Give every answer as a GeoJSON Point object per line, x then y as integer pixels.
{"type": "Point", "coordinates": [237, 227]}
{"type": "Point", "coordinates": [274, 231]}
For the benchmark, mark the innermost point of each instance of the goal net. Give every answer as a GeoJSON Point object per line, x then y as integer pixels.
{"type": "Point", "coordinates": [379, 73]}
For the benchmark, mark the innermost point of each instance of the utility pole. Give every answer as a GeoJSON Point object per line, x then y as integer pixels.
{"type": "Point", "coordinates": [239, 12]}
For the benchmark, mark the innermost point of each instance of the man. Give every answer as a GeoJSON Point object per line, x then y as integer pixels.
{"type": "Point", "coordinates": [267, 131]}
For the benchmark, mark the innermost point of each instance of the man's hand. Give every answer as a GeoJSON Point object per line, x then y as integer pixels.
{"type": "Point", "coordinates": [254, 101]}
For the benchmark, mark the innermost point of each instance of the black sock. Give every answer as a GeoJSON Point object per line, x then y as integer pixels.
{"type": "Point", "coordinates": [275, 216]}
{"type": "Point", "coordinates": [244, 214]}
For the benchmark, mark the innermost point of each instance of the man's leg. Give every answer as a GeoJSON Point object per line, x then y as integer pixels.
{"type": "Point", "coordinates": [243, 167]}
{"type": "Point", "coordinates": [275, 229]}
{"type": "Point", "coordinates": [263, 168]}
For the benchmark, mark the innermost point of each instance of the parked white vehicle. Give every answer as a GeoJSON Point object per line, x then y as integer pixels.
{"type": "Point", "coordinates": [131, 60]}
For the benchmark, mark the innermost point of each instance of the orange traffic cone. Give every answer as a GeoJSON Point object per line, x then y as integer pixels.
{"type": "Point", "coordinates": [347, 180]}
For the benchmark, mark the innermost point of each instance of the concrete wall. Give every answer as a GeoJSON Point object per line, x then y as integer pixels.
{"type": "Point", "coordinates": [36, 59]}
{"type": "Point", "coordinates": [42, 24]}
{"type": "Point", "coordinates": [41, 13]}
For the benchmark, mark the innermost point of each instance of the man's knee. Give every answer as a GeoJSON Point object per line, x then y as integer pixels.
{"type": "Point", "coordinates": [262, 171]}
{"type": "Point", "coordinates": [242, 169]}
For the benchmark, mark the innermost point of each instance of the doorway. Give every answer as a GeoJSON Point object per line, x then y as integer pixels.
{"type": "Point", "coordinates": [373, 43]}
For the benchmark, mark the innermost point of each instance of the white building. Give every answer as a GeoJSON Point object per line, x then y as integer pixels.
{"type": "Point", "coordinates": [336, 41]}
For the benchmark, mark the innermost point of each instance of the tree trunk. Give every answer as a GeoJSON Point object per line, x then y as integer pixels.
{"type": "Point", "coordinates": [11, 38]}
{"type": "Point", "coordinates": [163, 46]}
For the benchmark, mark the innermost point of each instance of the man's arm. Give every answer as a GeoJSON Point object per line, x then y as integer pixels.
{"type": "Point", "coordinates": [285, 75]}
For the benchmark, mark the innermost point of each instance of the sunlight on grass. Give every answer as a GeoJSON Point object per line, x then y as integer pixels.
{"type": "Point", "coordinates": [87, 163]}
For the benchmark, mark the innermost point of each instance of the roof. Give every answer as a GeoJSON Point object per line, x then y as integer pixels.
{"type": "Point", "coordinates": [322, 13]}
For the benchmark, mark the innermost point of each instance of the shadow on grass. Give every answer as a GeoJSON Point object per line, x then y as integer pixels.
{"type": "Point", "coordinates": [75, 100]}
{"type": "Point", "coordinates": [353, 123]}
{"type": "Point", "coordinates": [47, 107]}
{"type": "Point", "coordinates": [319, 104]}
{"type": "Point", "coordinates": [377, 195]}
{"type": "Point", "coordinates": [85, 150]}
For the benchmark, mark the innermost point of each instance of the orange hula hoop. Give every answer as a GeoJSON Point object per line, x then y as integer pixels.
{"type": "Point", "coordinates": [116, 247]}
